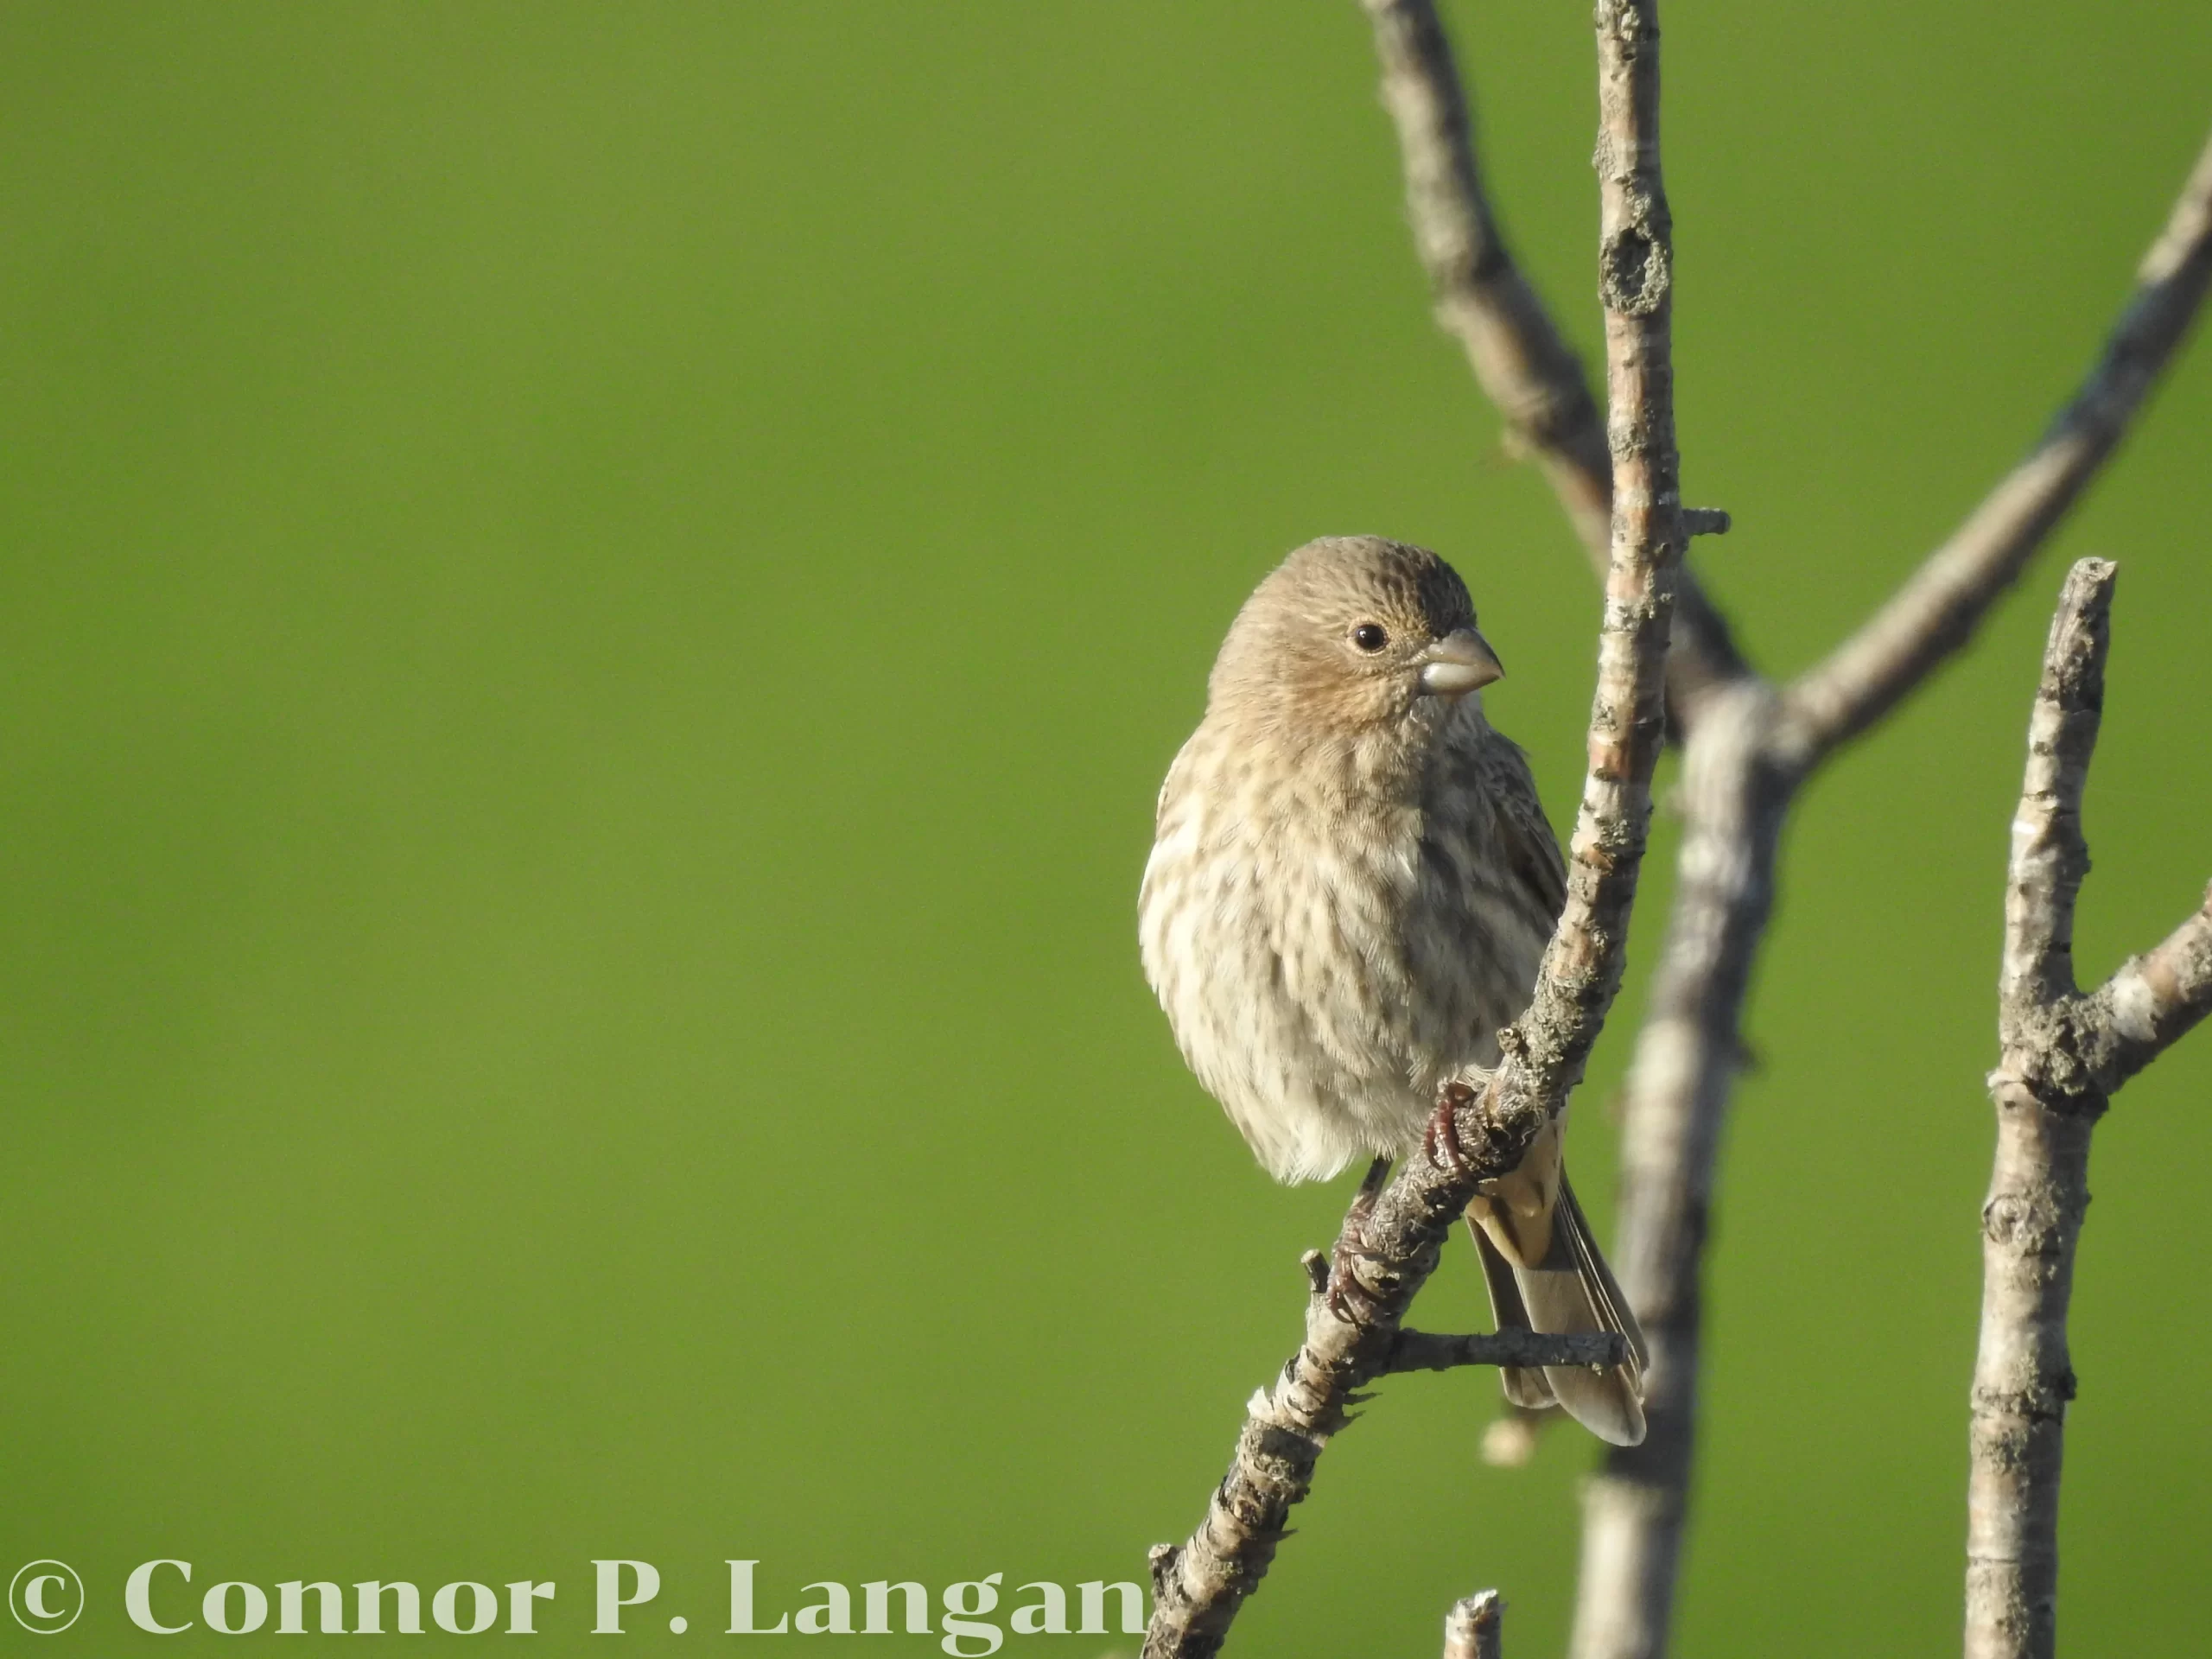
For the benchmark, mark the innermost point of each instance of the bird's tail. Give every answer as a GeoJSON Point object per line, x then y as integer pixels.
{"type": "Point", "coordinates": [1572, 1290]}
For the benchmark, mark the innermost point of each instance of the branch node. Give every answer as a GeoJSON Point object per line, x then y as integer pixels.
{"type": "Point", "coordinates": [1634, 277]}
{"type": "Point", "coordinates": [2064, 1055]}
{"type": "Point", "coordinates": [1162, 1559]}
{"type": "Point", "coordinates": [1316, 1271]}
{"type": "Point", "coordinates": [1705, 521]}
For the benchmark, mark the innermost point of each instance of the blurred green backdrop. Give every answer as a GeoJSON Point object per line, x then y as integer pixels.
{"type": "Point", "coordinates": [594, 601]}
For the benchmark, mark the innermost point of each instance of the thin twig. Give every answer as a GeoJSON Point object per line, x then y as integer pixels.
{"type": "Point", "coordinates": [2063, 1056]}
{"type": "Point", "coordinates": [1935, 612]}
{"type": "Point", "coordinates": [1421, 1350]}
{"type": "Point", "coordinates": [2152, 1001]}
{"type": "Point", "coordinates": [1519, 357]}
{"type": "Point", "coordinates": [1473, 1629]}
{"type": "Point", "coordinates": [1389, 1246]}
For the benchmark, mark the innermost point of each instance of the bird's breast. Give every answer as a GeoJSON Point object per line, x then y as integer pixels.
{"type": "Point", "coordinates": [1319, 954]}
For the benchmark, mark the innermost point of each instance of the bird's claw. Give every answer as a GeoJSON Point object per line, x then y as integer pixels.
{"type": "Point", "coordinates": [1342, 1289]}
{"type": "Point", "coordinates": [1440, 1144]}
{"type": "Point", "coordinates": [1350, 1301]}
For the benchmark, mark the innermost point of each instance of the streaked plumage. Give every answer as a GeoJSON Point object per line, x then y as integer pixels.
{"type": "Point", "coordinates": [1351, 888]}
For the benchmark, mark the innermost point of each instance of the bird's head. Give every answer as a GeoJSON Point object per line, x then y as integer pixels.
{"type": "Point", "coordinates": [1349, 636]}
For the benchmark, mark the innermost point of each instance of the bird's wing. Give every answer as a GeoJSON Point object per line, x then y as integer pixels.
{"type": "Point", "coordinates": [1525, 839]}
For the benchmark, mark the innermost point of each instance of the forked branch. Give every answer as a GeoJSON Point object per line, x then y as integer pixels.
{"type": "Point", "coordinates": [1752, 749]}
{"type": "Point", "coordinates": [2063, 1054]}
{"type": "Point", "coordinates": [1750, 746]}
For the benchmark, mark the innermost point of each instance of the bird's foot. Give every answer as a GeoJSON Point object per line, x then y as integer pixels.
{"type": "Point", "coordinates": [1347, 1298]}
{"type": "Point", "coordinates": [1371, 1188]}
{"type": "Point", "coordinates": [1440, 1145]}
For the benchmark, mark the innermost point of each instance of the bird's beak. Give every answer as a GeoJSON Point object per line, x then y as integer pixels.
{"type": "Point", "coordinates": [1459, 663]}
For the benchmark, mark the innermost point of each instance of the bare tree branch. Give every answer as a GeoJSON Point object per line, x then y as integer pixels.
{"type": "Point", "coordinates": [1745, 759]}
{"type": "Point", "coordinates": [1419, 1350]}
{"type": "Point", "coordinates": [1934, 613]}
{"type": "Point", "coordinates": [2064, 1055]}
{"type": "Point", "coordinates": [2152, 1000]}
{"type": "Point", "coordinates": [1750, 747]}
{"type": "Point", "coordinates": [1519, 357]}
{"type": "Point", "coordinates": [1389, 1243]}
{"type": "Point", "coordinates": [1732, 799]}
{"type": "Point", "coordinates": [1385, 1254]}
{"type": "Point", "coordinates": [2050, 856]}
{"type": "Point", "coordinates": [1546, 1051]}
{"type": "Point", "coordinates": [1473, 1629]}
{"type": "Point", "coordinates": [1518, 354]}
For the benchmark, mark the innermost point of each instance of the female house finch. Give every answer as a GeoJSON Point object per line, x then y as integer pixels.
{"type": "Point", "coordinates": [1351, 889]}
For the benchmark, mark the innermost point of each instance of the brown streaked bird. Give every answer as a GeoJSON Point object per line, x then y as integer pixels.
{"type": "Point", "coordinates": [1351, 889]}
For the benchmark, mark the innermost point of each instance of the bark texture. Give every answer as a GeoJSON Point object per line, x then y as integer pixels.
{"type": "Point", "coordinates": [1390, 1245]}
{"type": "Point", "coordinates": [2063, 1054]}
{"type": "Point", "coordinates": [1733, 799]}
{"type": "Point", "coordinates": [1419, 1350]}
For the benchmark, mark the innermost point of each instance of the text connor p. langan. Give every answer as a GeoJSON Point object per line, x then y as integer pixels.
{"type": "Point", "coordinates": [159, 1597]}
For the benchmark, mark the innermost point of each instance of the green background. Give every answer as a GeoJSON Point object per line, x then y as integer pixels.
{"type": "Point", "coordinates": [594, 601]}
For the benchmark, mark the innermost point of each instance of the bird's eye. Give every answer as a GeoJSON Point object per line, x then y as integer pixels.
{"type": "Point", "coordinates": [1370, 636]}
